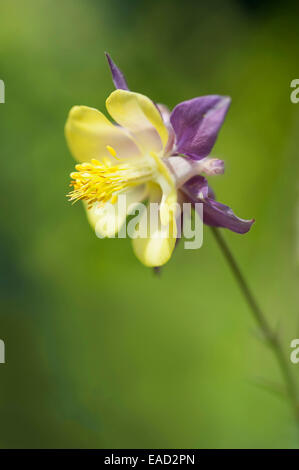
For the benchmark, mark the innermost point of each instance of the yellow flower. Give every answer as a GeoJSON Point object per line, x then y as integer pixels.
{"type": "Point", "coordinates": [124, 158]}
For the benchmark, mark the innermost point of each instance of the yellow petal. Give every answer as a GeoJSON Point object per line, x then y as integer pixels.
{"type": "Point", "coordinates": [139, 115]}
{"type": "Point", "coordinates": [89, 132]}
{"type": "Point", "coordinates": [156, 250]}
{"type": "Point", "coordinates": [168, 189]}
{"type": "Point", "coordinates": [108, 219]}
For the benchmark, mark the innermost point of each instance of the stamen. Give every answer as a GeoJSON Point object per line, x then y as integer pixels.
{"type": "Point", "coordinates": [111, 150]}
{"type": "Point", "coordinates": [102, 181]}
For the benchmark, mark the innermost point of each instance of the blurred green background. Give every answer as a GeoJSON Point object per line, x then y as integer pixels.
{"type": "Point", "coordinates": [99, 351]}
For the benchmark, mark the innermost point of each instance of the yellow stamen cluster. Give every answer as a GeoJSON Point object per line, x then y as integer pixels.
{"type": "Point", "coordinates": [101, 181]}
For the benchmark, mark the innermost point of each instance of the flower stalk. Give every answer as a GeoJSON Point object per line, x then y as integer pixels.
{"type": "Point", "coordinates": [270, 335]}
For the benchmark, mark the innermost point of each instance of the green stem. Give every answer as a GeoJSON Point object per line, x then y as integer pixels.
{"type": "Point", "coordinates": [262, 321]}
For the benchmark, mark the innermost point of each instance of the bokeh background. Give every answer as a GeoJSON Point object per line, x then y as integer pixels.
{"type": "Point", "coordinates": [100, 352]}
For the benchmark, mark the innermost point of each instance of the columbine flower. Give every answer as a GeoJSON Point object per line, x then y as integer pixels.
{"type": "Point", "coordinates": [149, 154]}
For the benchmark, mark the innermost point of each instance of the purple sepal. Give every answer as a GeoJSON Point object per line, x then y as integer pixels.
{"type": "Point", "coordinates": [198, 188]}
{"type": "Point", "coordinates": [117, 76]}
{"type": "Point", "coordinates": [214, 213]}
{"type": "Point", "coordinates": [219, 215]}
{"type": "Point", "coordinates": [197, 122]}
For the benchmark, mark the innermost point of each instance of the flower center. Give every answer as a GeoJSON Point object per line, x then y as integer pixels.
{"type": "Point", "coordinates": [101, 181]}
